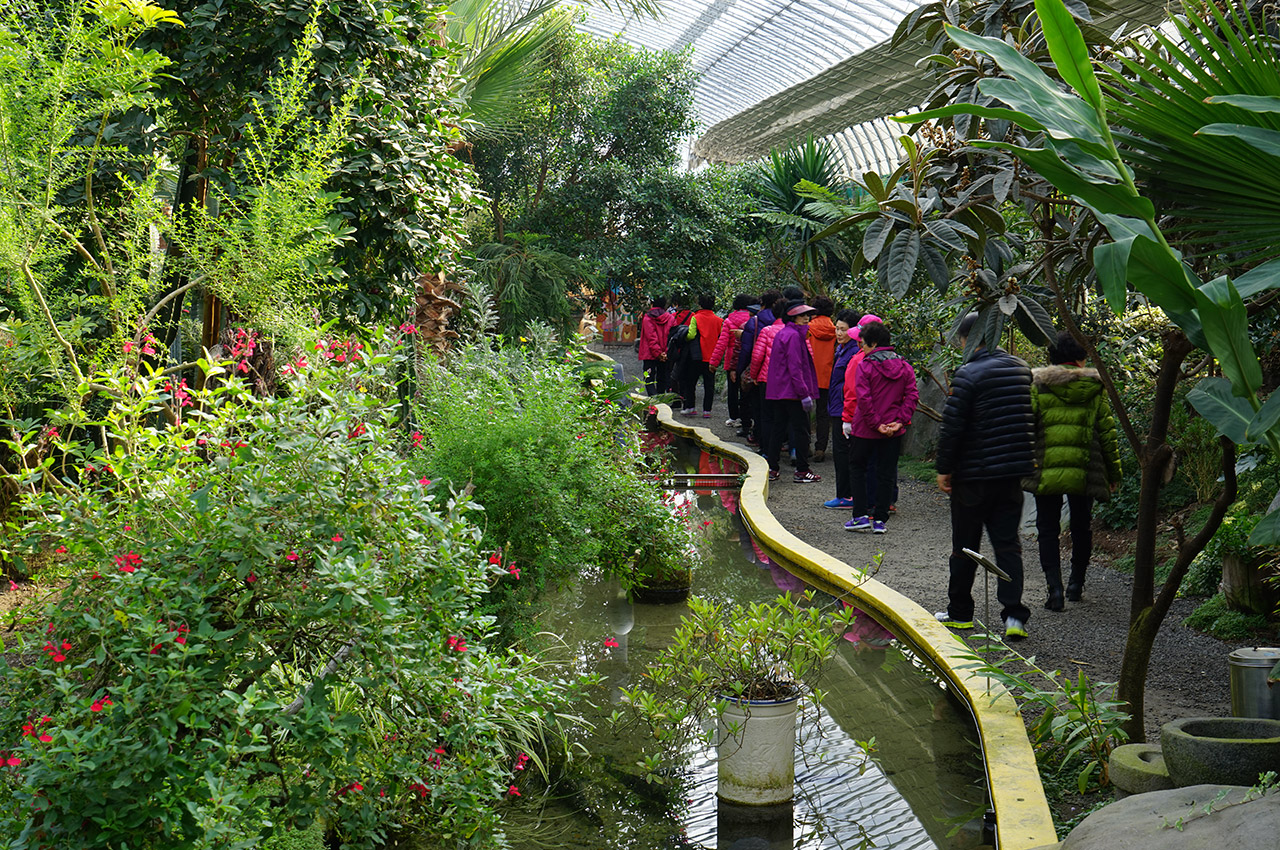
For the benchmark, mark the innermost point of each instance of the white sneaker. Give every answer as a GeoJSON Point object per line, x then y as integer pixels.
{"type": "Point", "coordinates": [1014, 629]}
{"type": "Point", "coordinates": [732, 423]}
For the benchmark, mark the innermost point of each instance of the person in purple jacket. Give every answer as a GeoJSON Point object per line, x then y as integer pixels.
{"type": "Point", "coordinates": [792, 389]}
{"type": "Point", "coordinates": [887, 399]}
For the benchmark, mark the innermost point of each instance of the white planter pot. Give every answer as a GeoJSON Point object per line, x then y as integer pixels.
{"type": "Point", "coordinates": [757, 751]}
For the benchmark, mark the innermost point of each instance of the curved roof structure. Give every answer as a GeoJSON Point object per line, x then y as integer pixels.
{"type": "Point", "coordinates": [774, 71]}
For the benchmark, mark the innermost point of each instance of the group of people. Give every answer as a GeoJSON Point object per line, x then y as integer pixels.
{"type": "Point", "coordinates": [788, 364]}
{"type": "Point", "coordinates": [1005, 428]}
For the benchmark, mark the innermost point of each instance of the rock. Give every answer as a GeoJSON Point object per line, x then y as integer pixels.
{"type": "Point", "coordinates": [1176, 820]}
{"type": "Point", "coordinates": [1138, 768]}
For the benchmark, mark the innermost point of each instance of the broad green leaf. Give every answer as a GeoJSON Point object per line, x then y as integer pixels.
{"type": "Point", "coordinates": [1265, 419]}
{"type": "Point", "coordinates": [1020, 118]}
{"type": "Point", "coordinates": [1265, 140]}
{"type": "Point", "coordinates": [903, 254]}
{"type": "Point", "coordinates": [874, 237]}
{"type": "Point", "coordinates": [1226, 327]}
{"type": "Point", "coordinates": [1032, 92]}
{"type": "Point", "coordinates": [1101, 197]}
{"type": "Point", "coordinates": [1251, 102]}
{"type": "Point", "coordinates": [1035, 321]}
{"type": "Point", "coordinates": [1069, 52]}
{"type": "Point", "coordinates": [1212, 398]}
{"type": "Point", "coordinates": [935, 264]}
{"type": "Point", "coordinates": [1111, 262]}
{"type": "Point", "coordinates": [1259, 280]}
{"type": "Point", "coordinates": [1267, 533]}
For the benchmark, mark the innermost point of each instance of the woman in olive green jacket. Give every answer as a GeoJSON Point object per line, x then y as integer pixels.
{"type": "Point", "coordinates": [1077, 456]}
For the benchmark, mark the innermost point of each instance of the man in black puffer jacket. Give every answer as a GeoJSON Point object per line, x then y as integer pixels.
{"type": "Point", "coordinates": [985, 448]}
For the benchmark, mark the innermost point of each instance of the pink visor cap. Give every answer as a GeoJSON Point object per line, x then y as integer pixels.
{"type": "Point", "coordinates": [855, 332]}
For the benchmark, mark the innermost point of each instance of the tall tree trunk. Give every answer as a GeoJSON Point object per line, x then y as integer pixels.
{"type": "Point", "coordinates": [1147, 610]}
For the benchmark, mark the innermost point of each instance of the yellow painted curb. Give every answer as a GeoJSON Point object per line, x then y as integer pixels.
{"type": "Point", "coordinates": [1017, 795]}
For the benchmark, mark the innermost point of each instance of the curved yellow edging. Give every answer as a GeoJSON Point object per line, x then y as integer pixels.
{"type": "Point", "coordinates": [1017, 795]}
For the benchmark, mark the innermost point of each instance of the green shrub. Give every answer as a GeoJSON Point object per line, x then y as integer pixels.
{"type": "Point", "coordinates": [1214, 617]}
{"type": "Point", "coordinates": [556, 462]}
{"type": "Point", "coordinates": [263, 592]}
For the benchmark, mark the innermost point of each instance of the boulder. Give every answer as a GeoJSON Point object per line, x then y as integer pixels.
{"type": "Point", "coordinates": [1177, 820]}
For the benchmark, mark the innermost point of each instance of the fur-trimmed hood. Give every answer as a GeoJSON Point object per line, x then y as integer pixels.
{"type": "Point", "coordinates": [1057, 375]}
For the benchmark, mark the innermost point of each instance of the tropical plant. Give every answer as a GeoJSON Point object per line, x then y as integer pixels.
{"type": "Point", "coordinates": [263, 619]}
{"type": "Point", "coordinates": [1081, 159]}
{"type": "Point", "coordinates": [531, 283]}
{"type": "Point", "coordinates": [812, 263]}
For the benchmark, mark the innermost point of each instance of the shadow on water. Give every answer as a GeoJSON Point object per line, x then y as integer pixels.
{"type": "Point", "coordinates": [923, 787]}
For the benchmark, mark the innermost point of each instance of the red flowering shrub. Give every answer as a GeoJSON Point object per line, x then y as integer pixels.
{"type": "Point", "coordinates": [267, 622]}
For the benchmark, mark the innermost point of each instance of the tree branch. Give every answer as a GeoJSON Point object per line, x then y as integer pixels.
{"type": "Point", "coordinates": [334, 663]}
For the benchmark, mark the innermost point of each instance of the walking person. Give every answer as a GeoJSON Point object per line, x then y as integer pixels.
{"type": "Point", "coordinates": [680, 346]}
{"type": "Point", "coordinates": [985, 449]}
{"type": "Point", "coordinates": [726, 353]}
{"type": "Point", "coordinates": [791, 391]}
{"type": "Point", "coordinates": [886, 401]}
{"type": "Point", "coordinates": [822, 344]}
{"type": "Point", "coordinates": [704, 331]}
{"type": "Point", "coordinates": [655, 326]}
{"type": "Point", "coordinates": [1077, 456]}
{"type": "Point", "coordinates": [759, 373]}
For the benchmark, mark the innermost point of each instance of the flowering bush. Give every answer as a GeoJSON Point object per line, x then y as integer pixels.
{"type": "Point", "coordinates": [550, 449]}
{"type": "Point", "coordinates": [270, 619]}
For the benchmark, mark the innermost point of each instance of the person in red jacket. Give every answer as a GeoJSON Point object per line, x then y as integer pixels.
{"type": "Point", "coordinates": [655, 326]}
{"type": "Point", "coordinates": [705, 328]}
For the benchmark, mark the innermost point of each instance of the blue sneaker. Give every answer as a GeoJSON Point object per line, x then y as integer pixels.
{"type": "Point", "coordinates": [858, 523]}
{"type": "Point", "coordinates": [839, 504]}
{"type": "Point", "coordinates": [877, 527]}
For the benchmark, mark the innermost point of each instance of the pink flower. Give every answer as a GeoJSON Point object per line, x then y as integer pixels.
{"type": "Point", "coordinates": [13, 585]}
{"type": "Point", "coordinates": [425, 482]}
{"type": "Point", "coordinates": [128, 346]}
{"type": "Point", "coordinates": [514, 570]}
{"type": "Point", "coordinates": [292, 556]}
{"type": "Point", "coordinates": [251, 578]}
{"type": "Point", "coordinates": [610, 642]}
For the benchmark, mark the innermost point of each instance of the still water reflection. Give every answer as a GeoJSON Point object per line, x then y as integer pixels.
{"type": "Point", "coordinates": [923, 787]}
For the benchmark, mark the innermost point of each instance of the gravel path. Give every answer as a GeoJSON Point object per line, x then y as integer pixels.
{"type": "Point", "coordinates": [1189, 671]}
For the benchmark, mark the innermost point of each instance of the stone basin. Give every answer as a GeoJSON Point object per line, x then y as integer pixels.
{"type": "Point", "coordinates": [1220, 750]}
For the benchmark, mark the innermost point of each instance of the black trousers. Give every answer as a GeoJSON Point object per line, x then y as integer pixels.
{"type": "Point", "coordinates": [840, 460]}
{"type": "Point", "coordinates": [655, 376]}
{"type": "Point", "coordinates": [885, 453]}
{"type": "Point", "coordinates": [995, 505]}
{"type": "Point", "coordinates": [789, 421]}
{"type": "Point", "coordinates": [732, 397]}
{"type": "Point", "coordinates": [693, 372]}
{"type": "Point", "coordinates": [1049, 528]}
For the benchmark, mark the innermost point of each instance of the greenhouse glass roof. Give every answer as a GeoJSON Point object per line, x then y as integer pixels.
{"type": "Point", "coordinates": [774, 71]}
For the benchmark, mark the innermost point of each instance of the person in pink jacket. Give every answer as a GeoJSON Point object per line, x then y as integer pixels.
{"type": "Point", "coordinates": [886, 400]}
{"type": "Point", "coordinates": [655, 326]}
{"type": "Point", "coordinates": [726, 353]}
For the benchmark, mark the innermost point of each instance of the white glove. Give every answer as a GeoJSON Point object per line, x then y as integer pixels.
{"type": "Point", "coordinates": [807, 403]}
{"type": "Point", "coordinates": [847, 428]}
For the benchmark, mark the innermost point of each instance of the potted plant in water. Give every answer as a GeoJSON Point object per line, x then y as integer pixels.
{"type": "Point", "coordinates": [673, 545]}
{"type": "Point", "coordinates": [747, 667]}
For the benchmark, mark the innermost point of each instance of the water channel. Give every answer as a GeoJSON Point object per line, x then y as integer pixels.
{"type": "Point", "coordinates": [923, 787]}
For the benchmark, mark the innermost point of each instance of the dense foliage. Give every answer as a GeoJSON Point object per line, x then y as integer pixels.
{"type": "Point", "coordinates": [556, 461]}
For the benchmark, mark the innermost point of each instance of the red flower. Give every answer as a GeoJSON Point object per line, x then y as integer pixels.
{"type": "Point", "coordinates": [180, 639]}
{"type": "Point", "coordinates": [28, 729]}
{"type": "Point", "coordinates": [425, 482]}
{"type": "Point", "coordinates": [292, 556]}
{"type": "Point", "coordinates": [250, 579]}
{"type": "Point", "coordinates": [96, 707]}
{"type": "Point", "coordinates": [45, 737]}
{"type": "Point", "coordinates": [610, 642]}
{"type": "Point", "coordinates": [66, 644]}
{"type": "Point", "coordinates": [513, 791]}
{"type": "Point", "coordinates": [417, 439]}
{"type": "Point", "coordinates": [58, 658]}
{"type": "Point", "coordinates": [495, 558]}
{"type": "Point", "coordinates": [337, 538]}
{"type": "Point", "coordinates": [128, 562]}
{"type": "Point", "coordinates": [61, 550]}
{"type": "Point", "coordinates": [13, 761]}
{"type": "Point", "coordinates": [514, 570]}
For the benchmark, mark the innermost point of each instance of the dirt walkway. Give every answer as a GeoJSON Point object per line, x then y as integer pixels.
{"type": "Point", "coordinates": [1189, 671]}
